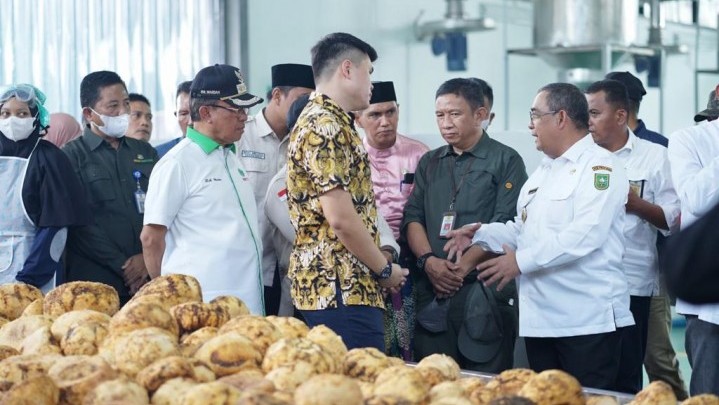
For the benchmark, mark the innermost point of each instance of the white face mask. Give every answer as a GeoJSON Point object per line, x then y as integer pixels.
{"type": "Point", "coordinates": [115, 127]}
{"type": "Point", "coordinates": [485, 124]}
{"type": "Point", "coordinates": [17, 129]}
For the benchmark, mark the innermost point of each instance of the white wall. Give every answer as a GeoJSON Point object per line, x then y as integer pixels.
{"type": "Point", "coordinates": [283, 31]}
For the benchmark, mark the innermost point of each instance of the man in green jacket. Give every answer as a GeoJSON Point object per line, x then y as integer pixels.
{"type": "Point", "coordinates": [471, 179]}
{"type": "Point", "coordinates": [114, 170]}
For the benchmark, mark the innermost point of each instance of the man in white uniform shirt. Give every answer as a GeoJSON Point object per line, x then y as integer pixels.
{"type": "Point", "coordinates": [200, 213]}
{"type": "Point", "coordinates": [652, 206]}
{"type": "Point", "coordinates": [694, 159]}
{"type": "Point", "coordinates": [263, 151]}
{"type": "Point", "coordinates": [565, 244]}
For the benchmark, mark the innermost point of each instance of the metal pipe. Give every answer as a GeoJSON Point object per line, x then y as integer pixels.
{"type": "Point", "coordinates": [662, 92]}
{"type": "Point", "coordinates": [655, 27]}
{"type": "Point", "coordinates": [505, 44]}
{"type": "Point", "coordinates": [455, 9]}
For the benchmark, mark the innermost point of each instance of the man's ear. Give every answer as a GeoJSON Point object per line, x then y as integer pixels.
{"type": "Point", "coordinates": [86, 114]}
{"type": "Point", "coordinates": [622, 116]}
{"type": "Point", "coordinates": [204, 112]}
{"type": "Point", "coordinates": [480, 114]}
{"type": "Point", "coordinates": [276, 95]}
{"type": "Point", "coordinates": [345, 68]}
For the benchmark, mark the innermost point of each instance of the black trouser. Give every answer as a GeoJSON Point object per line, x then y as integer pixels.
{"type": "Point", "coordinates": [273, 294]}
{"type": "Point", "coordinates": [634, 347]}
{"type": "Point", "coordinates": [591, 359]}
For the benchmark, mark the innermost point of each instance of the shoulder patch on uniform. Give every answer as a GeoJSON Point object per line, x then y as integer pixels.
{"type": "Point", "coordinates": [601, 181]}
{"type": "Point", "coordinates": [606, 168]}
{"type": "Point", "coordinates": [282, 194]}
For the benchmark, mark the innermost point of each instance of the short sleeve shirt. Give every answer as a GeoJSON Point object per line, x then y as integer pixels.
{"type": "Point", "coordinates": [325, 153]}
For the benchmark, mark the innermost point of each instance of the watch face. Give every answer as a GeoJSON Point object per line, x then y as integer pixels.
{"type": "Point", "coordinates": [387, 272]}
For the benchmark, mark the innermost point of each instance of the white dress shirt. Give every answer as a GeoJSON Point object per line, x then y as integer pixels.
{"type": "Point", "coordinates": [206, 203]}
{"type": "Point", "coordinates": [262, 154]}
{"type": "Point", "coordinates": [569, 241]}
{"type": "Point", "coordinates": [647, 169]}
{"type": "Point", "coordinates": [694, 160]}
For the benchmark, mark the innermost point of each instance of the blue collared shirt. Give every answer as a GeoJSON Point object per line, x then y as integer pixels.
{"type": "Point", "coordinates": [642, 132]}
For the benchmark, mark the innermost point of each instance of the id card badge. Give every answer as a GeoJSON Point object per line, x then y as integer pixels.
{"type": "Point", "coordinates": [447, 223]}
{"type": "Point", "coordinates": [140, 201]}
{"type": "Point", "coordinates": [139, 194]}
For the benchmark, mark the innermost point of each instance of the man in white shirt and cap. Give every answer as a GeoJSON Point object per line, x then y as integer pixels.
{"type": "Point", "coordinates": [200, 213]}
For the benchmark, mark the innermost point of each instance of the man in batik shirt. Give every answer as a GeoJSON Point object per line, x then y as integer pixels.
{"type": "Point", "coordinates": [336, 267]}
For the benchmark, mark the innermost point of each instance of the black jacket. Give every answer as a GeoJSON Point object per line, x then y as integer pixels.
{"type": "Point", "coordinates": [690, 260]}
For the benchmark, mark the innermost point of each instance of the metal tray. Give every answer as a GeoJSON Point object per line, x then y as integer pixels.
{"type": "Point", "coordinates": [621, 397]}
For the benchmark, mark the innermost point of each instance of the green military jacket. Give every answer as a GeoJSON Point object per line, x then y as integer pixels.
{"type": "Point", "coordinates": [98, 252]}
{"type": "Point", "coordinates": [487, 180]}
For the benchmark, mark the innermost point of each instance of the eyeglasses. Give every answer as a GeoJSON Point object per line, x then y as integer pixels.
{"type": "Point", "coordinates": [22, 92]}
{"type": "Point", "coordinates": [535, 115]}
{"type": "Point", "coordinates": [230, 109]}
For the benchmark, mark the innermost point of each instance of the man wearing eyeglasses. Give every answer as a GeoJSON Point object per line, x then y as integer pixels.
{"type": "Point", "coordinates": [182, 113]}
{"type": "Point", "coordinates": [564, 246]}
{"type": "Point", "coordinates": [263, 151]}
{"type": "Point", "coordinates": [200, 213]}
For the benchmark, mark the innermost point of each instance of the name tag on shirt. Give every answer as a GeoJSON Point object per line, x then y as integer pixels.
{"type": "Point", "coordinates": [253, 154]}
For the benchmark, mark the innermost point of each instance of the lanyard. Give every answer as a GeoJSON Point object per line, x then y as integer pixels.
{"type": "Point", "coordinates": [455, 187]}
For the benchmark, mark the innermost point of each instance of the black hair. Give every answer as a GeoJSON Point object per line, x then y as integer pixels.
{"type": "Point", "coordinates": [183, 88]}
{"type": "Point", "coordinates": [568, 97]}
{"type": "Point", "coordinates": [139, 97]}
{"type": "Point", "coordinates": [296, 109]}
{"type": "Point", "coordinates": [93, 83]}
{"type": "Point", "coordinates": [332, 49]}
{"type": "Point", "coordinates": [195, 104]}
{"type": "Point", "coordinates": [486, 89]}
{"type": "Point", "coordinates": [283, 89]}
{"type": "Point", "coordinates": [468, 89]}
{"type": "Point", "coordinates": [615, 93]}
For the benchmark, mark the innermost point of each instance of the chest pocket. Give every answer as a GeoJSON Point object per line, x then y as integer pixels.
{"type": "Point", "coordinates": [254, 161]}
{"type": "Point", "coordinates": [639, 182]}
{"type": "Point", "coordinates": [99, 184]}
{"type": "Point", "coordinates": [559, 199]}
{"type": "Point", "coordinates": [482, 185]}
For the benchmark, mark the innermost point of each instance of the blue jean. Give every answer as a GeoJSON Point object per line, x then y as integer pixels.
{"type": "Point", "coordinates": [702, 345]}
{"type": "Point", "coordinates": [358, 325]}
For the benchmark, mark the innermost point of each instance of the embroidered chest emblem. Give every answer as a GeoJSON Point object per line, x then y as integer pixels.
{"type": "Point", "coordinates": [601, 181]}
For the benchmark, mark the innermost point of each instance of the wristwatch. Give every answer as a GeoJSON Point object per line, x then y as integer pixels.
{"type": "Point", "coordinates": [385, 273]}
{"type": "Point", "coordinates": [392, 252]}
{"type": "Point", "coordinates": [422, 260]}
